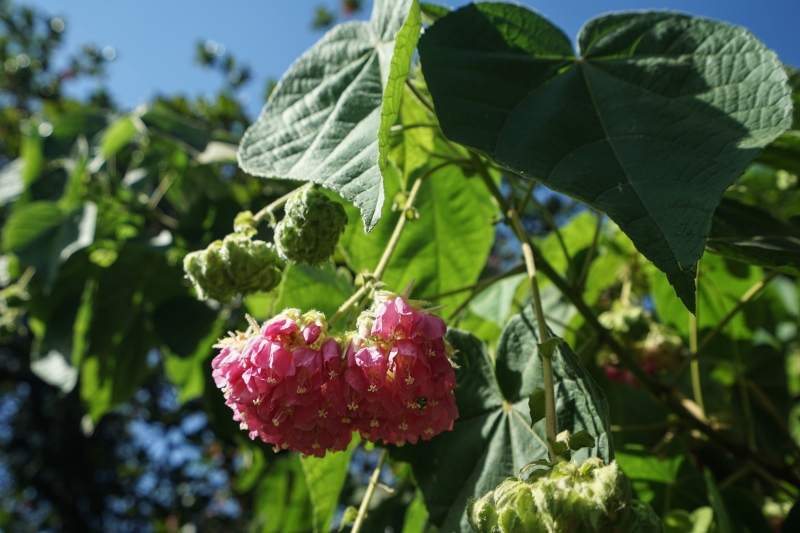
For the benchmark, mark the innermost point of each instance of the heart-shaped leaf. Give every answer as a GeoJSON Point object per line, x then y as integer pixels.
{"type": "Point", "coordinates": [492, 439]}
{"type": "Point", "coordinates": [657, 118]}
{"type": "Point", "coordinates": [321, 123]}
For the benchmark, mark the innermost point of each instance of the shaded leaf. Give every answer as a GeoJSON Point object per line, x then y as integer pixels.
{"type": "Point", "coordinates": [660, 115]}
{"type": "Point", "coordinates": [752, 235]}
{"type": "Point", "coordinates": [321, 122]}
{"type": "Point", "coordinates": [492, 439]}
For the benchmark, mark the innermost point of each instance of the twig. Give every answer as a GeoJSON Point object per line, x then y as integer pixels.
{"type": "Point", "coordinates": [373, 482]}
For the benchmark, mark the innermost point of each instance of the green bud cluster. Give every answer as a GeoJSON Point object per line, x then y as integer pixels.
{"type": "Point", "coordinates": [237, 264]}
{"type": "Point", "coordinates": [567, 497]}
{"type": "Point", "coordinates": [311, 228]}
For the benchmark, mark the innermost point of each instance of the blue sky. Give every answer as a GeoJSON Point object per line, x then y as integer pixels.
{"type": "Point", "coordinates": [154, 39]}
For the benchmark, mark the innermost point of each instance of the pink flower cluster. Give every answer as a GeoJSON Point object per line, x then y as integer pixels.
{"type": "Point", "coordinates": [294, 386]}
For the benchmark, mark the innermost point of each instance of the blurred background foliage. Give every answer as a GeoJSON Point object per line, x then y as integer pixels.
{"type": "Point", "coordinates": [110, 421]}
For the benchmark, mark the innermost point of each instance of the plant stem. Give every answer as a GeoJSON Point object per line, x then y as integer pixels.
{"type": "Point", "coordinates": [544, 335]}
{"type": "Point", "coordinates": [530, 264]}
{"type": "Point", "coordinates": [697, 389]}
{"type": "Point", "coordinates": [662, 393]}
{"type": "Point", "coordinates": [345, 307]}
{"type": "Point", "coordinates": [373, 482]}
{"type": "Point", "coordinates": [420, 98]}
{"type": "Point", "coordinates": [276, 204]}
{"type": "Point", "coordinates": [745, 298]}
{"type": "Point", "coordinates": [398, 229]}
{"type": "Point", "coordinates": [591, 252]}
{"type": "Point", "coordinates": [480, 285]}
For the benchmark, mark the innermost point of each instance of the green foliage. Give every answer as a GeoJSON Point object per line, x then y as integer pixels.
{"type": "Point", "coordinates": [325, 477]}
{"type": "Point", "coordinates": [493, 438]}
{"type": "Point", "coordinates": [648, 83]}
{"type": "Point", "coordinates": [332, 140]}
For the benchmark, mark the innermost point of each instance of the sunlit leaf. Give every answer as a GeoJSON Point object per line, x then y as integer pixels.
{"type": "Point", "coordinates": [321, 122]}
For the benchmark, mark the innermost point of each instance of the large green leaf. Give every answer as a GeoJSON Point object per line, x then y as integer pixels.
{"type": "Point", "coordinates": [749, 234]}
{"type": "Point", "coordinates": [657, 118]}
{"type": "Point", "coordinates": [28, 222]}
{"type": "Point", "coordinates": [321, 123]}
{"type": "Point", "coordinates": [444, 249]}
{"type": "Point", "coordinates": [492, 438]}
{"type": "Point", "coordinates": [325, 477]}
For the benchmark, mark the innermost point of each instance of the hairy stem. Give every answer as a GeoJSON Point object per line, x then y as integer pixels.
{"type": "Point", "coordinates": [373, 482]}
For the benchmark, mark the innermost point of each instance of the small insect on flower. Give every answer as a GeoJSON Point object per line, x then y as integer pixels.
{"type": "Point", "coordinates": [422, 402]}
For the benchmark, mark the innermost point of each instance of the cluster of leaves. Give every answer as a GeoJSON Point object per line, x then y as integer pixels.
{"type": "Point", "coordinates": [660, 116]}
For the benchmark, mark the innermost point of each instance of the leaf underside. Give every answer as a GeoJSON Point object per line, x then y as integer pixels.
{"type": "Point", "coordinates": [660, 115]}
{"type": "Point", "coordinates": [321, 122]}
{"type": "Point", "coordinates": [492, 439]}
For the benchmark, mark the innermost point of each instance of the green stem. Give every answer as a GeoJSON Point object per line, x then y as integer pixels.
{"type": "Point", "coordinates": [398, 229]}
{"type": "Point", "coordinates": [697, 389]}
{"type": "Point", "coordinates": [269, 210]}
{"type": "Point", "coordinates": [527, 197]}
{"type": "Point", "coordinates": [476, 288]}
{"type": "Point", "coordinates": [373, 482]}
{"type": "Point", "coordinates": [530, 264]}
{"type": "Point", "coordinates": [420, 98]}
{"type": "Point", "coordinates": [591, 252]}
{"type": "Point", "coordinates": [745, 298]}
{"type": "Point", "coordinates": [345, 307]}
{"type": "Point", "coordinates": [547, 364]}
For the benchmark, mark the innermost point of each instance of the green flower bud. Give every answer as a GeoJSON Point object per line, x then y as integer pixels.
{"type": "Point", "coordinates": [311, 228]}
{"type": "Point", "coordinates": [253, 265]}
{"type": "Point", "coordinates": [206, 270]}
{"type": "Point", "coordinates": [482, 514]}
{"type": "Point", "coordinates": [568, 498]}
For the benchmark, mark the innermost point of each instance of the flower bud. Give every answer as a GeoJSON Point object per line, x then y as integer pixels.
{"type": "Point", "coordinates": [311, 228]}
{"type": "Point", "coordinates": [568, 498]}
{"type": "Point", "coordinates": [206, 270]}
{"type": "Point", "coordinates": [253, 265]}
